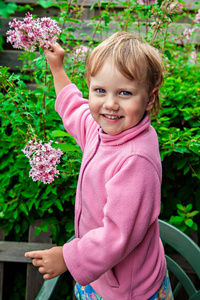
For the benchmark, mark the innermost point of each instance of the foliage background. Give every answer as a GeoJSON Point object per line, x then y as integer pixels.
{"type": "Point", "coordinates": [29, 113]}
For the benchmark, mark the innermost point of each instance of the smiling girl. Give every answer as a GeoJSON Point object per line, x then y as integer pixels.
{"type": "Point", "coordinates": [117, 252]}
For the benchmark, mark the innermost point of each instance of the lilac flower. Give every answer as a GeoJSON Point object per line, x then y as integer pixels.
{"type": "Point", "coordinates": [178, 7]}
{"type": "Point", "coordinates": [197, 17]}
{"type": "Point", "coordinates": [188, 32]}
{"type": "Point", "coordinates": [157, 23]}
{"type": "Point", "coordinates": [43, 159]}
{"type": "Point", "coordinates": [147, 2]}
{"type": "Point", "coordinates": [193, 57]}
{"type": "Point", "coordinates": [29, 33]}
{"type": "Point", "coordinates": [82, 52]}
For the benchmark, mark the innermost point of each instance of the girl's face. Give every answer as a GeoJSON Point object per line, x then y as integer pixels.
{"type": "Point", "coordinates": [116, 102]}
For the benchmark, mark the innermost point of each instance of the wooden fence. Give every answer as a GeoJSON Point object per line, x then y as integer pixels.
{"type": "Point", "coordinates": [14, 252]}
{"type": "Point", "coordinates": [9, 56]}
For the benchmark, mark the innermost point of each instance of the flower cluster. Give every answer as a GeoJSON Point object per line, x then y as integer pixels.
{"type": "Point", "coordinates": [197, 17]}
{"type": "Point", "coordinates": [188, 32]}
{"type": "Point", "coordinates": [30, 33]}
{"type": "Point", "coordinates": [176, 7]}
{"type": "Point", "coordinates": [43, 159]}
{"type": "Point", "coordinates": [82, 52]}
{"type": "Point", "coordinates": [147, 2]}
{"type": "Point", "coordinates": [193, 57]}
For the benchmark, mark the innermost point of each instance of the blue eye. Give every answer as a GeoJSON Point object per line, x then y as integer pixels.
{"type": "Point", "coordinates": [101, 91]}
{"type": "Point", "coordinates": [125, 93]}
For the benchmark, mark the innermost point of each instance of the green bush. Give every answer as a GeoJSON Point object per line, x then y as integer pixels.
{"type": "Point", "coordinates": [29, 114]}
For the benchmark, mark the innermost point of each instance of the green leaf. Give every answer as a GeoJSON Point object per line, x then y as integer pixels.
{"type": "Point", "coordinates": [69, 227]}
{"type": "Point", "coordinates": [176, 220]}
{"type": "Point", "coordinates": [37, 231]}
{"type": "Point", "coordinates": [59, 133]}
{"type": "Point", "coordinates": [28, 194]}
{"type": "Point", "coordinates": [15, 214]}
{"type": "Point", "coordinates": [180, 213]}
{"type": "Point", "coordinates": [181, 163]}
{"type": "Point", "coordinates": [192, 214]}
{"type": "Point", "coordinates": [24, 208]}
{"type": "Point", "coordinates": [7, 9]}
{"type": "Point", "coordinates": [40, 62]}
{"type": "Point", "coordinates": [3, 79]}
{"type": "Point", "coordinates": [67, 147]}
{"type": "Point", "coordinates": [182, 227]}
{"type": "Point", "coordinates": [92, 7]}
{"type": "Point", "coordinates": [45, 3]}
{"type": "Point", "coordinates": [188, 207]}
{"type": "Point", "coordinates": [186, 170]}
{"type": "Point", "coordinates": [1, 214]}
{"type": "Point", "coordinates": [17, 228]}
{"type": "Point", "coordinates": [11, 7]}
{"type": "Point", "coordinates": [58, 205]}
{"type": "Point", "coordinates": [189, 222]}
{"type": "Point", "coordinates": [45, 228]}
{"type": "Point", "coordinates": [181, 207]}
{"type": "Point", "coordinates": [107, 20]}
{"type": "Point", "coordinates": [195, 227]}
{"type": "Point", "coordinates": [53, 230]}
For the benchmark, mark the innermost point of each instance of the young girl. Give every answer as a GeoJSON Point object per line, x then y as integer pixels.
{"type": "Point", "coordinates": [117, 252]}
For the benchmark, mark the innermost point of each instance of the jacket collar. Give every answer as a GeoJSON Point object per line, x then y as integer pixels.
{"type": "Point", "coordinates": [124, 136]}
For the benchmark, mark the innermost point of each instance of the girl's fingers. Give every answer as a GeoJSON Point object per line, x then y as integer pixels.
{"type": "Point", "coordinates": [41, 270]}
{"type": "Point", "coordinates": [52, 47]}
{"type": "Point", "coordinates": [47, 276]}
{"type": "Point", "coordinates": [37, 262]}
{"type": "Point", "coordinates": [45, 48]}
{"type": "Point", "coordinates": [34, 254]}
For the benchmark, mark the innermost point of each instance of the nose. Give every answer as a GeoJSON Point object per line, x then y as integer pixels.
{"type": "Point", "coordinates": [111, 103]}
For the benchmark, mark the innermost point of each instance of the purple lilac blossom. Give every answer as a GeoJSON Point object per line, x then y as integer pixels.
{"type": "Point", "coordinates": [30, 33]}
{"type": "Point", "coordinates": [82, 52]}
{"type": "Point", "coordinates": [188, 32]}
{"type": "Point", "coordinates": [147, 2]}
{"type": "Point", "coordinates": [43, 159]}
{"type": "Point", "coordinates": [177, 6]}
{"type": "Point", "coordinates": [197, 17]}
{"type": "Point", "coordinates": [193, 57]}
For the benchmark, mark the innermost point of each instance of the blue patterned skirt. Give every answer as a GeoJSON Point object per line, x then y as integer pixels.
{"type": "Point", "coordinates": [88, 293]}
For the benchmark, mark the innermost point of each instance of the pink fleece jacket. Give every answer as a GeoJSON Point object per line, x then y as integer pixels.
{"type": "Point", "coordinates": [117, 248]}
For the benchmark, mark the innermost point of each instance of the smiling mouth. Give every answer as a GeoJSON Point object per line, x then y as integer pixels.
{"type": "Point", "coordinates": [112, 117]}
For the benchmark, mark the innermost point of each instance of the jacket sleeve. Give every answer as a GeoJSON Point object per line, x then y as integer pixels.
{"type": "Point", "coordinates": [133, 204]}
{"type": "Point", "coordinates": [75, 113]}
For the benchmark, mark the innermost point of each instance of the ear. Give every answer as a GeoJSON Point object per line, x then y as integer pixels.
{"type": "Point", "coordinates": [152, 98]}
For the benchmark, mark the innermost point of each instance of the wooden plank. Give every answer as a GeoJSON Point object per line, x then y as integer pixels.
{"type": "Point", "coordinates": [14, 251]}
{"type": "Point", "coordinates": [86, 27]}
{"type": "Point", "coordinates": [34, 279]}
{"type": "Point", "coordinates": [43, 237]}
{"type": "Point", "coordinates": [1, 279]}
{"type": "Point", "coordinates": [9, 58]}
{"type": "Point", "coordinates": [190, 4]}
{"type": "Point", "coordinates": [2, 237]}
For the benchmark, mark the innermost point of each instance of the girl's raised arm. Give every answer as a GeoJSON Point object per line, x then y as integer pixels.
{"type": "Point", "coordinates": [55, 56]}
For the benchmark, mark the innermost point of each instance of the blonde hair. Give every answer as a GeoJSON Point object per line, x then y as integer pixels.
{"type": "Point", "coordinates": [135, 59]}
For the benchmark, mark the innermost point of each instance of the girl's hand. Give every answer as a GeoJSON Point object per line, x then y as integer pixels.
{"type": "Point", "coordinates": [54, 55]}
{"type": "Point", "coordinates": [50, 262]}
